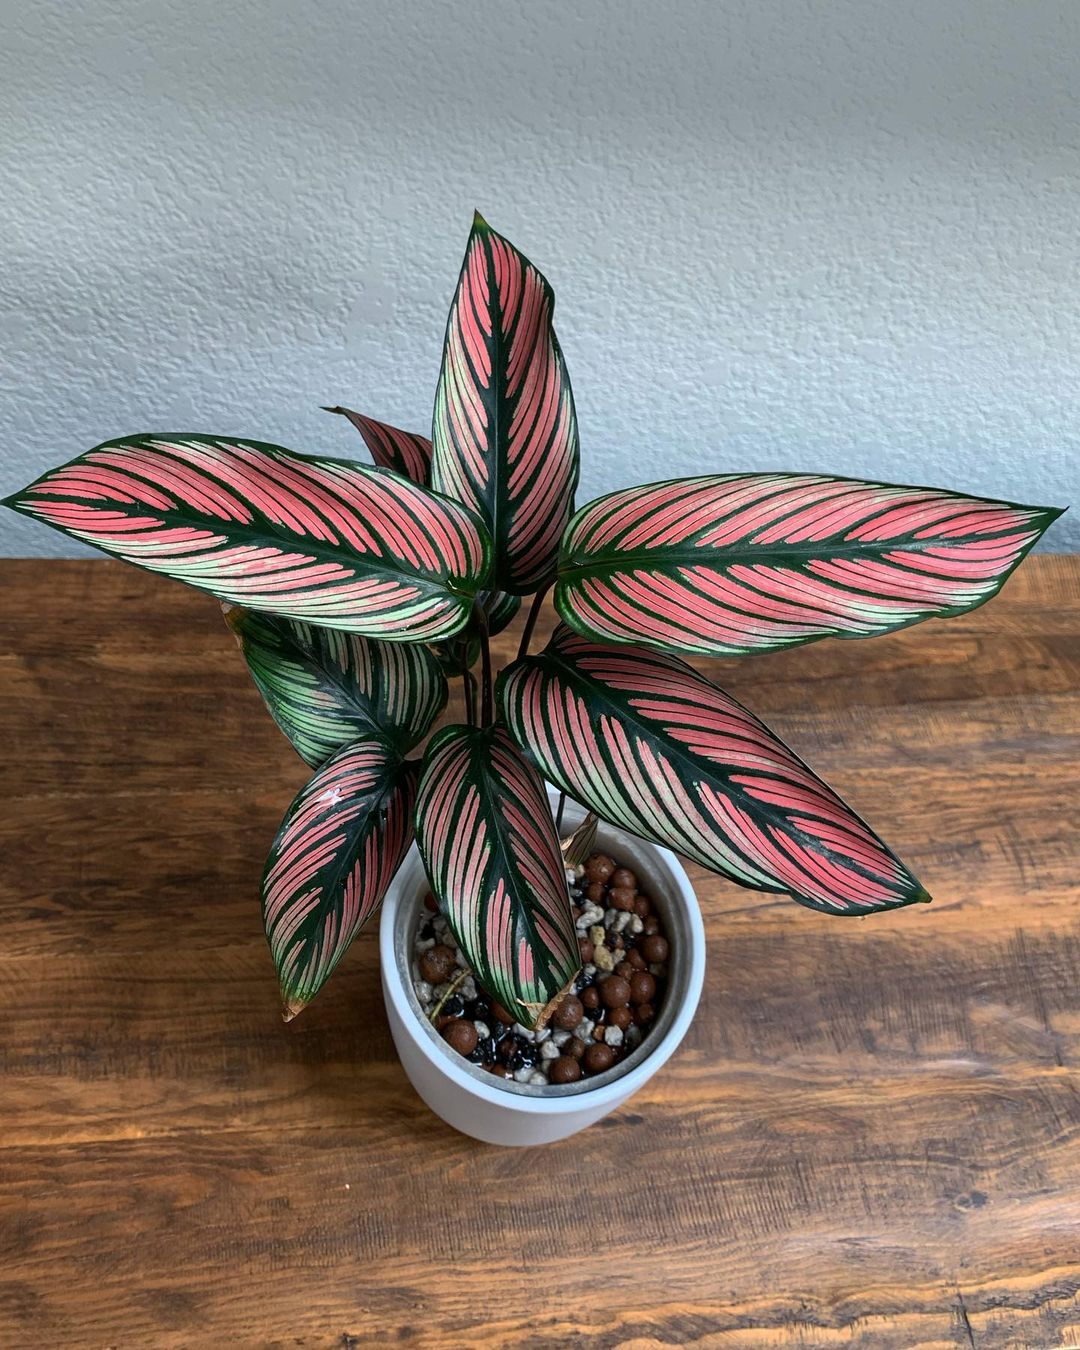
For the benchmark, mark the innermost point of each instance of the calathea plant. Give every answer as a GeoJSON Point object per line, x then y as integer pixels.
{"type": "Point", "coordinates": [357, 592]}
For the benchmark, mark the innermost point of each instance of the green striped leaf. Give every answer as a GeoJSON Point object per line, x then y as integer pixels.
{"type": "Point", "coordinates": [499, 608]}
{"type": "Point", "coordinates": [342, 545]}
{"type": "Point", "coordinates": [325, 688]}
{"type": "Point", "coordinates": [738, 563]}
{"type": "Point", "coordinates": [504, 436]}
{"type": "Point", "coordinates": [337, 850]}
{"type": "Point", "coordinates": [461, 653]}
{"type": "Point", "coordinates": [492, 857]}
{"type": "Point", "coordinates": [651, 745]}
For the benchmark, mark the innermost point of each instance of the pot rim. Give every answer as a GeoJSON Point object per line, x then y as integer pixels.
{"type": "Point", "coordinates": [672, 892]}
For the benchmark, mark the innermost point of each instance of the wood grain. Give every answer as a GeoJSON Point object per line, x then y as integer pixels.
{"type": "Point", "coordinates": [870, 1138]}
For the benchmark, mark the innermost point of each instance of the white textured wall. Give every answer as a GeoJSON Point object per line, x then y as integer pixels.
{"type": "Point", "coordinates": [839, 236]}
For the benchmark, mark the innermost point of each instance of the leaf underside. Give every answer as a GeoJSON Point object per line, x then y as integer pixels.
{"type": "Point", "coordinates": [330, 543]}
{"type": "Point", "coordinates": [325, 688]}
{"type": "Point", "coordinates": [740, 563]}
{"type": "Point", "coordinates": [651, 745]}
{"type": "Point", "coordinates": [492, 857]}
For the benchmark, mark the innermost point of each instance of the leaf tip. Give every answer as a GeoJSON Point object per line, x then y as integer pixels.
{"type": "Point", "coordinates": [325, 407]}
{"type": "Point", "coordinates": [921, 897]}
{"type": "Point", "coordinates": [478, 222]}
{"type": "Point", "coordinates": [291, 1007]}
{"type": "Point", "coordinates": [1041, 518]}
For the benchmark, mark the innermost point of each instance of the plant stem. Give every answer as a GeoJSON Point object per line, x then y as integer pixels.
{"type": "Point", "coordinates": [558, 813]}
{"type": "Point", "coordinates": [530, 622]}
{"type": "Point", "coordinates": [459, 980]}
{"type": "Point", "coordinates": [468, 696]}
{"type": "Point", "coordinates": [485, 655]}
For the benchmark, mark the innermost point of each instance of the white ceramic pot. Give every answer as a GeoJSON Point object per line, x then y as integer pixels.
{"type": "Point", "coordinates": [501, 1112]}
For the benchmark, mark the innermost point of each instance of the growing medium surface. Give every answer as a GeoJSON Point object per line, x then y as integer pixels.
{"type": "Point", "coordinates": [613, 1005]}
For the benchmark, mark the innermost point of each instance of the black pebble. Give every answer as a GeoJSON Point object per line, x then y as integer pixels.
{"type": "Point", "coordinates": [526, 1057]}
{"type": "Point", "coordinates": [515, 1047]}
{"type": "Point", "coordinates": [477, 1009]}
{"type": "Point", "coordinates": [454, 1006]}
{"type": "Point", "coordinates": [428, 931]}
{"type": "Point", "coordinates": [484, 1052]}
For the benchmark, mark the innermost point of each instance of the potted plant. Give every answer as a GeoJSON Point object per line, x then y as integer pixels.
{"type": "Point", "coordinates": [358, 593]}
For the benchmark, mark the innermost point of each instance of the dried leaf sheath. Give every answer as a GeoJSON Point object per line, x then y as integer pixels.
{"type": "Point", "coordinates": [577, 846]}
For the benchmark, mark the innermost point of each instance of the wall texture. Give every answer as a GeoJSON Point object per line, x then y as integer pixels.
{"type": "Point", "coordinates": [838, 234]}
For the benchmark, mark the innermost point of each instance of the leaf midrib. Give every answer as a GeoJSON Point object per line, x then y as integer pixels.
{"type": "Point", "coordinates": [500, 467]}
{"type": "Point", "coordinates": [507, 860]}
{"type": "Point", "coordinates": [242, 531]}
{"type": "Point", "coordinates": [679, 555]}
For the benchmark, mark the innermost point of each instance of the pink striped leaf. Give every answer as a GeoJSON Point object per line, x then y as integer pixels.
{"type": "Point", "coordinates": [492, 857]}
{"type": "Point", "coordinates": [505, 432]}
{"type": "Point", "coordinates": [337, 850]}
{"type": "Point", "coordinates": [649, 744]}
{"type": "Point", "coordinates": [740, 563]}
{"type": "Point", "coordinates": [325, 688]}
{"type": "Point", "coordinates": [330, 543]}
{"type": "Point", "coordinates": [392, 448]}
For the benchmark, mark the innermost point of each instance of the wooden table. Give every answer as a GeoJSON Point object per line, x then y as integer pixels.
{"type": "Point", "coordinates": [870, 1138]}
